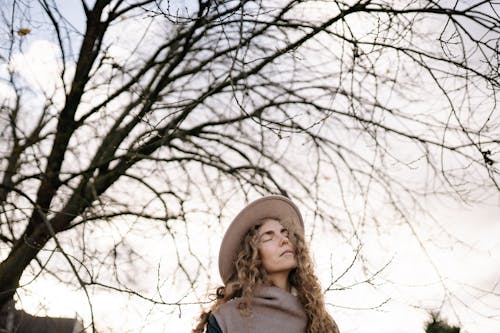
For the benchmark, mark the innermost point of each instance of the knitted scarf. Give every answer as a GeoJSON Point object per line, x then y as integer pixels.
{"type": "Point", "coordinates": [274, 310]}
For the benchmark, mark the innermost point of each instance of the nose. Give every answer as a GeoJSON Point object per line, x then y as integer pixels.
{"type": "Point", "coordinates": [284, 240]}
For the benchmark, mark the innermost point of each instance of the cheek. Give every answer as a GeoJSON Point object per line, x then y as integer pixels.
{"type": "Point", "coordinates": [265, 256]}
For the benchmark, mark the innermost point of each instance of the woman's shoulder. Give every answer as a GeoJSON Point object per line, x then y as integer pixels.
{"type": "Point", "coordinates": [227, 312]}
{"type": "Point", "coordinates": [228, 306]}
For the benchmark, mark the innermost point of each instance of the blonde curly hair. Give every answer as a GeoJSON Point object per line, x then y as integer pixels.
{"type": "Point", "coordinates": [249, 273]}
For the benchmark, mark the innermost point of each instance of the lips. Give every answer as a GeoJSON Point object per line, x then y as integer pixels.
{"type": "Point", "coordinates": [285, 252]}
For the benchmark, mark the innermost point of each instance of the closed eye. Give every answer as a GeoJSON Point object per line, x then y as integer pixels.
{"type": "Point", "coordinates": [267, 236]}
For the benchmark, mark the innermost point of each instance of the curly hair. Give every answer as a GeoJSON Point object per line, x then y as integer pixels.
{"type": "Point", "coordinates": [249, 273]}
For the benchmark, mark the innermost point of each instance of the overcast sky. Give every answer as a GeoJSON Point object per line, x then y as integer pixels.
{"type": "Point", "coordinates": [459, 264]}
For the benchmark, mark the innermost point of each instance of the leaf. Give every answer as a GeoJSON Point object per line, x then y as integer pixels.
{"type": "Point", "coordinates": [23, 32]}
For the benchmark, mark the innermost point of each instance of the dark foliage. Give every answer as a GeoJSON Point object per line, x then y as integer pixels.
{"type": "Point", "coordinates": [439, 325]}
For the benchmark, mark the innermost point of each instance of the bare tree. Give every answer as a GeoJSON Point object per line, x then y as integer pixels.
{"type": "Point", "coordinates": [154, 106]}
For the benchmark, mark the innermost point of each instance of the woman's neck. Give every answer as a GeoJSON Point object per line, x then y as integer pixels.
{"type": "Point", "coordinates": [280, 280]}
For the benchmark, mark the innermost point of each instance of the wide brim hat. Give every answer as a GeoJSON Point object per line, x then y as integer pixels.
{"type": "Point", "coordinates": [273, 206]}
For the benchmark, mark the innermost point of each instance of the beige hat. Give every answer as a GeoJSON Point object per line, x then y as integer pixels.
{"type": "Point", "coordinates": [275, 206]}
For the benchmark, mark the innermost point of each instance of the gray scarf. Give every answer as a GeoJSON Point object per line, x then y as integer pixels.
{"type": "Point", "coordinates": [274, 310]}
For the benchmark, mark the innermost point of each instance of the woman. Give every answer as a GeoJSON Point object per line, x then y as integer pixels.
{"type": "Point", "coordinates": [269, 281]}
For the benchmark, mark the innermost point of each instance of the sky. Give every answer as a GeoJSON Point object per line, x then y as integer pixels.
{"type": "Point", "coordinates": [459, 262]}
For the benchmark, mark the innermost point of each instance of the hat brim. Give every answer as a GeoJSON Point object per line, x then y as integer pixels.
{"type": "Point", "coordinates": [274, 206]}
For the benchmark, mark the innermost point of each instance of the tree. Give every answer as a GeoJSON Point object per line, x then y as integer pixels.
{"type": "Point", "coordinates": [216, 99]}
{"type": "Point", "coordinates": [438, 325]}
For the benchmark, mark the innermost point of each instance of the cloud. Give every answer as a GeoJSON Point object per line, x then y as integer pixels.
{"type": "Point", "coordinates": [39, 69]}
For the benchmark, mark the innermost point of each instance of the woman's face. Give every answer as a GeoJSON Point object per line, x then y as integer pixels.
{"type": "Point", "coordinates": [276, 251]}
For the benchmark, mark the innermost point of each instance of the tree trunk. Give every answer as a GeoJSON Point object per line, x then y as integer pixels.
{"type": "Point", "coordinates": [11, 269]}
